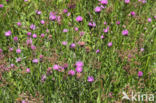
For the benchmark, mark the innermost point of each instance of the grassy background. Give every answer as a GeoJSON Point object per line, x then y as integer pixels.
{"type": "Point", "coordinates": [112, 69]}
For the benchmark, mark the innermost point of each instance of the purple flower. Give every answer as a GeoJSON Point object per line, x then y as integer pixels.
{"type": "Point", "coordinates": [52, 16]}
{"type": "Point", "coordinates": [56, 67]}
{"type": "Point", "coordinates": [133, 13]}
{"type": "Point", "coordinates": [71, 72]}
{"type": "Point", "coordinates": [42, 35]}
{"type": "Point", "coordinates": [79, 69]}
{"type": "Point", "coordinates": [18, 51]}
{"type": "Point", "coordinates": [8, 33]}
{"type": "Point", "coordinates": [79, 64]}
{"type": "Point", "coordinates": [105, 23]}
{"type": "Point", "coordinates": [149, 20]}
{"type": "Point", "coordinates": [15, 38]}
{"type": "Point", "coordinates": [91, 24]}
{"type": "Point", "coordinates": [68, 14]}
{"type": "Point", "coordinates": [117, 22]}
{"type": "Point", "coordinates": [142, 49]}
{"type": "Point", "coordinates": [82, 33]}
{"type": "Point", "coordinates": [29, 41]}
{"type": "Point", "coordinates": [65, 11]}
{"type": "Point", "coordinates": [28, 70]}
{"type": "Point", "coordinates": [97, 9]}
{"type": "Point", "coordinates": [127, 1]}
{"type": "Point", "coordinates": [72, 45]}
{"type": "Point", "coordinates": [97, 51]}
{"type": "Point", "coordinates": [11, 49]}
{"type": "Point", "coordinates": [43, 78]}
{"type": "Point", "coordinates": [79, 18]}
{"type": "Point", "coordinates": [140, 73]}
{"type": "Point", "coordinates": [19, 24]}
{"type": "Point", "coordinates": [154, 17]}
{"type": "Point", "coordinates": [1, 50]}
{"type": "Point", "coordinates": [34, 36]}
{"type": "Point", "coordinates": [33, 47]}
{"type": "Point", "coordinates": [90, 79]}
{"type": "Point", "coordinates": [32, 27]}
{"type": "Point", "coordinates": [35, 60]}
{"type": "Point", "coordinates": [23, 101]}
{"type": "Point", "coordinates": [125, 32]}
{"type": "Point", "coordinates": [29, 33]}
{"type": "Point", "coordinates": [64, 43]}
{"type": "Point", "coordinates": [1, 5]}
{"type": "Point", "coordinates": [12, 65]}
{"type": "Point", "coordinates": [102, 36]}
{"type": "Point", "coordinates": [18, 59]}
{"type": "Point", "coordinates": [38, 12]}
{"type": "Point", "coordinates": [76, 28]}
{"type": "Point", "coordinates": [109, 44]}
{"type": "Point", "coordinates": [104, 2]}
{"type": "Point", "coordinates": [106, 30]}
{"type": "Point", "coordinates": [42, 21]}
{"type": "Point", "coordinates": [65, 30]}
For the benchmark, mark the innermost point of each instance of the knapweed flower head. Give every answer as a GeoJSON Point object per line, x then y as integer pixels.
{"type": "Point", "coordinates": [79, 64]}
{"type": "Point", "coordinates": [15, 38]}
{"type": "Point", "coordinates": [79, 18]}
{"type": "Point", "coordinates": [42, 35]}
{"type": "Point", "coordinates": [79, 69]}
{"type": "Point", "coordinates": [71, 72]}
{"type": "Point", "coordinates": [1, 5]}
{"type": "Point", "coordinates": [125, 32]}
{"type": "Point", "coordinates": [140, 74]}
{"type": "Point", "coordinates": [117, 22]}
{"type": "Point", "coordinates": [109, 44]}
{"type": "Point", "coordinates": [142, 49]}
{"type": "Point", "coordinates": [92, 24]}
{"type": "Point", "coordinates": [102, 36]}
{"type": "Point", "coordinates": [52, 16]}
{"type": "Point", "coordinates": [29, 33]}
{"type": "Point", "coordinates": [76, 28]}
{"type": "Point", "coordinates": [56, 67]}
{"type": "Point", "coordinates": [19, 23]}
{"type": "Point", "coordinates": [73, 45]}
{"type": "Point", "coordinates": [97, 51]}
{"type": "Point", "coordinates": [65, 10]}
{"type": "Point", "coordinates": [82, 33]}
{"type": "Point", "coordinates": [106, 30]}
{"type": "Point", "coordinates": [33, 47]}
{"type": "Point", "coordinates": [43, 78]}
{"type": "Point", "coordinates": [18, 51]}
{"type": "Point", "coordinates": [64, 43]}
{"type": "Point", "coordinates": [97, 9]}
{"type": "Point", "coordinates": [32, 27]}
{"type": "Point", "coordinates": [35, 61]}
{"type": "Point", "coordinates": [65, 30]}
{"type": "Point", "coordinates": [104, 2]}
{"type": "Point", "coordinates": [18, 59]}
{"type": "Point", "coordinates": [132, 13]}
{"type": "Point", "coordinates": [149, 20]}
{"type": "Point", "coordinates": [28, 70]}
{"type": "Point", "coordinates": [8, 33]}
{"type": "Point", "coordinates": [90, 79]}
{"type": "Point", "coordinates": [127, 1]}
{"type": "Point", "coordinates": [1, 50]}
{"type": "Point", "coordinates": [38, 12]}
{"type": "Point", "coordinates": [29, 41]}
{"type": "Point", "coordinates": [42, 22]}
{"type": "Point", "coordinates": [11, 49]}
{"type": "Point", "coordinates": [34, 35]}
